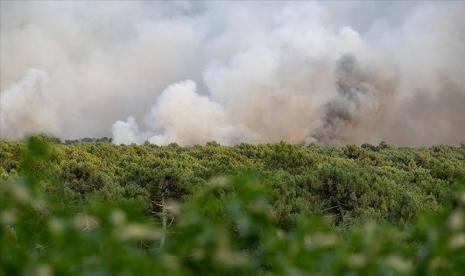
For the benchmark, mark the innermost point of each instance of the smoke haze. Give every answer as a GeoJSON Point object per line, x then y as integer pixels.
{"type": "Point", "coordinates": [191, 72]}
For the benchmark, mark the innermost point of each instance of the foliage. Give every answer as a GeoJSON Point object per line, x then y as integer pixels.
{"type": "Point", "coordinates": [98, 208]}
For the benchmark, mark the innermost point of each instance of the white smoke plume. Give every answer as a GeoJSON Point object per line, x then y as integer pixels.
{"type": "Point", "coordinates": [192, 72]}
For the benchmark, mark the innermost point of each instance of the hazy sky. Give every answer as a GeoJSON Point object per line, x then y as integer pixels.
{"type": "Point", "coordinates": [191, 72]}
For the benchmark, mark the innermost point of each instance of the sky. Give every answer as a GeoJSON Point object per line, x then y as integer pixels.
{"type": "Point", "coordinates": [330, 73]}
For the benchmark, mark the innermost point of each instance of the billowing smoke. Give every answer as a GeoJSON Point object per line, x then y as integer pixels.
{"type": "Point", "coordinates": [192, 72]}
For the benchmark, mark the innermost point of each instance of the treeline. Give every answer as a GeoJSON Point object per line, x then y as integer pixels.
{"type": "Point", "coordinates": [276, 208]}
{"type": "Point", "coordinates": [347, 183]}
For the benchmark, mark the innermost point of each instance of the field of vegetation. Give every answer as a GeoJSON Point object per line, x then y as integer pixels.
{"type": "Point", "coordinates": [99, 208]}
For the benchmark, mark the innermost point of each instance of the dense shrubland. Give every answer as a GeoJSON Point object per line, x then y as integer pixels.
{"type": "Point", "coordinates": [280, 208]}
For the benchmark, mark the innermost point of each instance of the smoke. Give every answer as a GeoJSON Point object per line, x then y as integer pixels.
{"type": "Point", "coordinates": [21, 113]}
{"type": "Point", "coordinates": [180, 114]}
{"type": "Point", "coordinates": [192, 72]}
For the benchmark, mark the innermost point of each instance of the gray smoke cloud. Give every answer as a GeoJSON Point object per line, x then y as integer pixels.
{"type": "Point", "coordinates": [257, 72]}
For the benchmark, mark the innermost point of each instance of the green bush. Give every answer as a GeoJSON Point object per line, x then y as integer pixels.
{"type": "Point", "coordinates": [271, 209]}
